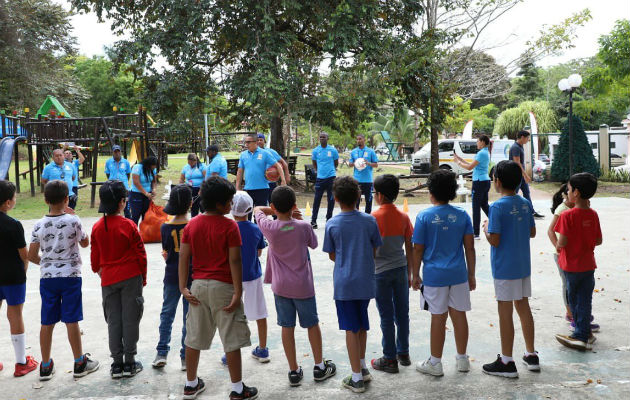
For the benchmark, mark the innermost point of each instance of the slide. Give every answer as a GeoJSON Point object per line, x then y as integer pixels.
{"type": "Point", "coordinates": [6, 154]}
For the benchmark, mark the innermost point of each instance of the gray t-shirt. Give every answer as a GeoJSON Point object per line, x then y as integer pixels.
{"type": "Point", "coordinates": [58, 237]}
{"type": "Point", "coordinates": [517, 151]}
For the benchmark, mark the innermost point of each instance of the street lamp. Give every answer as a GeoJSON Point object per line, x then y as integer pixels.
{"type": "Point", "coordinates": [569, 85]}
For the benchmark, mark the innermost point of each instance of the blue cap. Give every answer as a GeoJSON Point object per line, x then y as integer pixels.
{"type": "Point", "coordinates": [115, 147]}
{"type": "Point", "coordinates": [261, 136]}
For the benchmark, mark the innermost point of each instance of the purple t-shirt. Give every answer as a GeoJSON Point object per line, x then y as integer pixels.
{"type": "Point", "coordinates": [288, 263]}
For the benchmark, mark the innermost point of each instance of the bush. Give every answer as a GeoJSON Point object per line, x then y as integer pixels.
{"type": "Point", "coordinates": [615, 176]}
{"type": "Point", "coordinates": [583, 158]}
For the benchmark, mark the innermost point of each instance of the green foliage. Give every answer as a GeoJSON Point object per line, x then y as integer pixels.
{"type": "Point", "coordinates": [400, 124]}
{"type": "Point", "coordinates": [512, 120]}
{"type": "Point", "coordinates": [614, 49]}
{"type": "Point", "coordinates": [483, 117]}
{"type": "Point", "coordinates": [527, 85]}
{"type": "Point", "coordinates": [613, 175]}
{"type": "Point", "coordinates": [583, 158]}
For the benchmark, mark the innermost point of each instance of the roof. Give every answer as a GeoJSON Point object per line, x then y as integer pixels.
{"type": "Point", "coordinates": [52, 102]}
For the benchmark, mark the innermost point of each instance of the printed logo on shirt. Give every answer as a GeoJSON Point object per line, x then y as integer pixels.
{"type": "Point", "coordinates": [329, 154]}
{"type": "Point", "coordinates": [260, 156]}
{"type": "Point", "coordinates": [514, 211]}
{"type": "Point", "coordinates": [365, 154]}
{"type": "Point", "coordinates": [437, 220]}
{"type": "Point", "coordinates": [287, 228]}
{"type": "Point", "coordinates": [452, 218]}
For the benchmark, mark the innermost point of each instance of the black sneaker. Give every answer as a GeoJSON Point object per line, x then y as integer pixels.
{"type": "Point", "coordinates": [192, 392]}
{"type": "Point", "coordinates": [46, 373]}
{"type": "Point", "coordinates": [295, 377]}
{"type": "Point", "coordinates": [116, 371]}
{"type": "Point", "coordinates": [537, 215]}
{"type": "Point", "coordinates": [497, 368]}
{"type": "Point", "coordinates": [330, 369]}
{"type": "Point", "coordinates": [404, 360]}
{"type": "Point", "coordinates": [356, 387]}
{"type": "Point", "coordinates": [249, 393]}
{"type": "Point", "coordinates": [314, 224]}
{"type": "Point", "coordinates": [532, 362]}
{"type": "Point", "coordinates": [85, 367]}
{"type": "Point", "coordinates": [385, 365]}
{"type": "Point", "coordinates": [131, 369]}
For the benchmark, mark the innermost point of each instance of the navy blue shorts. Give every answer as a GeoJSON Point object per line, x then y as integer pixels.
{"type": "Point", "coordinates": [61, 300]}
{"type": "Point", "coordinates": [13, 294]}
{"type": "Point", "coordinates": [306, 309]}
{"type": "Point", "coordinates": [353, 315]}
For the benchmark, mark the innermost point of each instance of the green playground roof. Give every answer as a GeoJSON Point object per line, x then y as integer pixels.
{"type": "Point", "coordinates": [52, 102]}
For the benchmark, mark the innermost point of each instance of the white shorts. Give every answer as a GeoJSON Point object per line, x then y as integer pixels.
{"type": "Point", "coordinates": [512, 289]}
{"type": "Point", "coordinates": [439, 299]}
{"type": "Point", "coordinates": [254, 300]}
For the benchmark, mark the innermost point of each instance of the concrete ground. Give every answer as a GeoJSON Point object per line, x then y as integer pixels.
{"type": "Point", "coordinates": [604, 372]}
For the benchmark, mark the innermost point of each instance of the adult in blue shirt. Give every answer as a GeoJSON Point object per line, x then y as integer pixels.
{"type": "Point", "coordinates": [480, 180]}
{"type": "Point", "coordinates": [192, 175]}
{"type": "Point", "coordinates": [364, 176]}
{"type": "Point", "coordinates": [59, 169]}
{"type": "Point", "coordinates": [75, 183]}
{"type": "Point", "coordinates": [217, 166]}
{"type": "Point", "coordinates": [517, 154]}
{"type": "Point", "coordinates": [325, 161]}
{"type": "Point", "coordinates": [252, 165]}
{"type": "Point", "coordinates": [278, 158]}
{"type": "Point", "coordinates": [118, 168]}
{"type": "Point", "coordinates": [142, 187]}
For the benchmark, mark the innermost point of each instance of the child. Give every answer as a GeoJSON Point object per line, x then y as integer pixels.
{"type": "Point", "coordinates": [442, 235]}
{"type": "Point", "coordinates": [579, 232]}
{"type": "Point", "coordinates": [351, 240]}
{"type": "Point", "coordinates": [119, 258]}
{"type": "Point", "coordinates": [13, 277]}
{"type": "Point", "coordinates": [215, 295]}
{"type": "Point", "coordinates": [179, 203]}
{"type": "Point", "coordinates": [58, 236]}
{"type": "Point", "coordinates": [509, 231]}
{"type": "Point", "coordinates": [290, 273]}
{"type": "Point", "coordinates": [393, 268]}
{"type": "Point", "coordinates": [253, 295]}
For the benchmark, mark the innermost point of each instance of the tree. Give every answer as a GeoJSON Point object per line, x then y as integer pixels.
{"type": "Point", "coordinates": [512, 120]}
{"type": "Point", "coordinates": [527, 85]}
{"type": "Point", "coordinates": [483, 117]}
{"type": "Point", "coordinates": [614, 49]}
{"type": "Point", "coordinates": [399, 123]}
{"type": "Point", "coordinates": [583, 158]}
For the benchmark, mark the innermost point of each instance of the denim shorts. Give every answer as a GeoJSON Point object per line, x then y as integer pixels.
{"type": "Point", "coordinates": [61, 300]}
{"type": "Point", "coordinates": [306, 310]}
{"type": "Point", "coordinates": [353, 315]}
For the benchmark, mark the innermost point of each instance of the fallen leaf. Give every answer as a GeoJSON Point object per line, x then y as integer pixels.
{"type": "Point", "coordinates": [37, 385]}
{"type": "Point", "coordinates": [596, 290]}
{"type": "Point", "coordinates": [491, 325]}
{"type": "Point", "coordinates": [589, 381]}
{"type": "Point", "coordinates": [599, 381]}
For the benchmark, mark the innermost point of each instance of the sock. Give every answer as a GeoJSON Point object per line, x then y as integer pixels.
{"type": "Point", "coordinates": [78, 360]}
{"type": "Point", "coordinates": [435, 360]}
{"type": "Point", "coordinates": [363, 364]}
{"type": "Point", "coordinates": [237, 387]}
{"type": "Point", "coordinates": [19, 347]}
{"type": "Point", "coordinates": [506, 359]}
{"type": "Point", "coordinates": [527, 353]}
{"type": "Point", "coordinates": [357, 376]}
{"type": "Point", "coordinates": [46, 364]}
{"type": "Point", "coordinates": [321, 365]}
{"type": "Point", "coordinates": [192, 383]}
{"type": "Point", "coordinates": [461, 356]}
{"type": "Point", "coordinates": [298, 370]}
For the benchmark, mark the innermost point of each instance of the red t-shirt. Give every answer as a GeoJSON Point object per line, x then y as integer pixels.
{"type": "Point", "coordinates": [210, 237]}
{"type": "Point", "coordinates": [581, 227]}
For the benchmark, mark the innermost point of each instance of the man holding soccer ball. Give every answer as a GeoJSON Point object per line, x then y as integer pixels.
{"type": "Point", "coordinates": [364, 159]}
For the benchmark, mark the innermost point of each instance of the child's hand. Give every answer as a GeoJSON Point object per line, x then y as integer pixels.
{"type": "Point", "coordinates": [472, 283]}
{"type": "Point", "coordinates": [236, 300]}
{"type": "Point", "coordinates": [69, 210]}
{"type": "Point", "coordinates": [297, 214]}
{"type": "Point", "coordinates": [164, 254]}
{"type": "Point", "coordinates": [192, 300]}
{"type": "Point", "coordinates": [417, 281]}
{"type": "Point", "coordinates": [485, 226]}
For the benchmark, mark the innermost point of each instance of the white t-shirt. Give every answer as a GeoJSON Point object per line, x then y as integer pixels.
{"type": "Point", "coordinates": [58, 237]}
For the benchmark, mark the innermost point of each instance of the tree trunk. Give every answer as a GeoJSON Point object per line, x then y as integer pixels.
{"type": "Point", "coordinates": [435, 154]}
{"type": "Point", "coordinates": [277, 136]}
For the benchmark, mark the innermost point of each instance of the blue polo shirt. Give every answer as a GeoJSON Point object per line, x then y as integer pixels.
{"type": "Point", "coordinates": [118, 170]}
{"type": "Point", "coordinates": [325, 158]}
{"type": "Point", "coordinates": [54, 172]}
{"type": "Point", "coordinates": [254, 165]}
{"type": "Point", "coordinates": [144, 182]}
{"type": "Point", "coordinates": [75, 164]}
{"type": "Point", "coordinates": [218, 165]}
{"type": "Point", "coordinates": [480, 172]}
{"type": "Point", "coordinates": [193, 175]}
{"type": "Point", "coordinates": [512, 217]}
{"type": "Point", "coordinates": [364, 176]}
{"type": "Point", "coordinates": [274, 153]}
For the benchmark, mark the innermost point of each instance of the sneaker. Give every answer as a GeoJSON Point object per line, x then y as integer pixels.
{"type": "Point", "coordinates": [532, 362]}
{"type": "Point", "coordinates": [427, 368]}
{"type": "Point", "coordinates": [477, 237]}
{"type": "Point", "coordinates": [538, 215]}
{"type": "Point", "coordinates": [28, 366]}
{"type": "Point", "coordinates": [404, 360]}
{"type": "Point", "coordinates": [385, 365]}
{"type": "Point", "coordinates": [366, 375]}
{"type": "Point", "coordinates": [591, 339]}
{"type": "Point", "coordinates": [594, 327]}
{"type": "Point", "coordinates": [330, 369]}
{"type": "Point", "coordinates": [224, 360]}
{"type": "Point", "coordinates": [46, 373]}
{"type": "Point", "coordinates": [314, 224]}
{"type": "Point", "coordinates": [250, 393]}
{"type": "Point", "coordinates": [356, 387]}
{"type": "Point", "coordinates": [498, 368]}
{"type": "Point", "coordinates": [86, 366]}
{"type": "Point", "coordinates": [183, 365]}
{"type": "Point", "coordinates": [463, 364]}
{"type": "Point", "coordinates": [192, 392]}
{"type": "Point", "coordinates": [116, 371]}
{"type": "Point", "coordinates": [573, 343]}
{"type": "Point", "coordinates": [159, 361]}
{"type": "Point", "coordinates": [131, 369]}
{"type": "Point", "coordinates": [262, 355]}
{"type": "Point", "coordinates": [295, 377]}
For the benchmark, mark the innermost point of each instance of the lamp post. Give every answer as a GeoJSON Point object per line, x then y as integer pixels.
{"type": "Point", "coordinates": [569, 85]}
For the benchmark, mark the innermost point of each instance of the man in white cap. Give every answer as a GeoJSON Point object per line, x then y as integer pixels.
{"type": "Point", "coordinates": [364, 159]}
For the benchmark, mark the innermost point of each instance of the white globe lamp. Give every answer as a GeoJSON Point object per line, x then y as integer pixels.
{"type": "Point", "coordinates": [575, 80]}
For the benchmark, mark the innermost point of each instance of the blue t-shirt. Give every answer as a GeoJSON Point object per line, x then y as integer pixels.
{"type": "Point", "coordinates": [171, 240]}
{"type": "Point", "coordinates": [255, 164]}
{"type": "Point", "coordinates": [441, 230]}
{"type": "Point", "coordinates": [193, 175]}
{"type": "Point", "coordinates": [325, 158]}
{"type": "Point", "coordinates": [480, 172]}
{"type": "Point", "coordinates": [364, 176]}
{"type": "Point", "coordinates": [512, 217]}
{"type": "Point", "coordinates": [64, 173]}
{"type": "Point", "coordinates": [353, 236]}
{"type": "Point", "coordinates": [218, 165]}
{"type": "Point", "coordinates": [252, 239]}
{"type": "Point", "coordinates": [118, 170]}
{"type": "Point", "coordinates": [144, 182]}
{"type": "Point", "coordinates": [75, 164]}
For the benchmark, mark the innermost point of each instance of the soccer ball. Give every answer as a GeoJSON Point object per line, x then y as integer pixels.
{"type": "Point", "coordinates": [360, 164]}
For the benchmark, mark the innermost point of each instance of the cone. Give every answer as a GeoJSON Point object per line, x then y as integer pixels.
{"type": "Point", "coordinates": [405, 206]}
{"type": "Point", "coordinates": [307, 211]}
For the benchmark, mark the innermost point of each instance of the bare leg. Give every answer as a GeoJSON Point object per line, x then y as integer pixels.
{"type": "Point", "coordinates": [74, 337]}
{"type": "Point", "coordinates": [262, 332]}
{"type": "Point", "coordinates": [460, 326]}
{"type": "Point", "coordinates": [438, 334]}
{"type": "Point", "coordinates": [315, 338]}
{"type": "Point", "coordinates": [16, 322]}
{"type": "Point", "coordinates": [506, 326]}
{"type": "Point", "coordinates": [234, 365]}
{"type": "Point", "coordinates": [288, 342]}
{"type": "Point", "coordinates": [353, 343]}
{"type": "Point", "coordinates": [362, 343]}
{"type": "Point", "coordinates": [192, 362]}
{"type": "Point", "coordinates": [527, 322]}
{"type": "Point", "coordinates": [45, 341]}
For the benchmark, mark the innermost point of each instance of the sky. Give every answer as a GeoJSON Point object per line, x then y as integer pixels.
{"type": "Point", "coordinates": [513, 29]}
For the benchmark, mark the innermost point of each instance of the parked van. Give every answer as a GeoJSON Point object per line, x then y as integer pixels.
{"type": "Point", "coordinates": [465, 148]}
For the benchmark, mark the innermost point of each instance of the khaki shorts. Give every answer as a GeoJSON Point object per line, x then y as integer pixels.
{"type": "Point", "coordinates": [204, 319]}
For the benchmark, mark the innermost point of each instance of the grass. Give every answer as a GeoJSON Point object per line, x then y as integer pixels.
{"type": "Point", "coordinates": [604, 189]}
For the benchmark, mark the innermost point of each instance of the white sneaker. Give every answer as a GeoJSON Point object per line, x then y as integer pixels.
{"type": "Point", "coordinates": [427, 368]}
{"type": "Point", "coordinates": [463, 364]}
{"type": "Point", "coordinates": [159, 361]}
